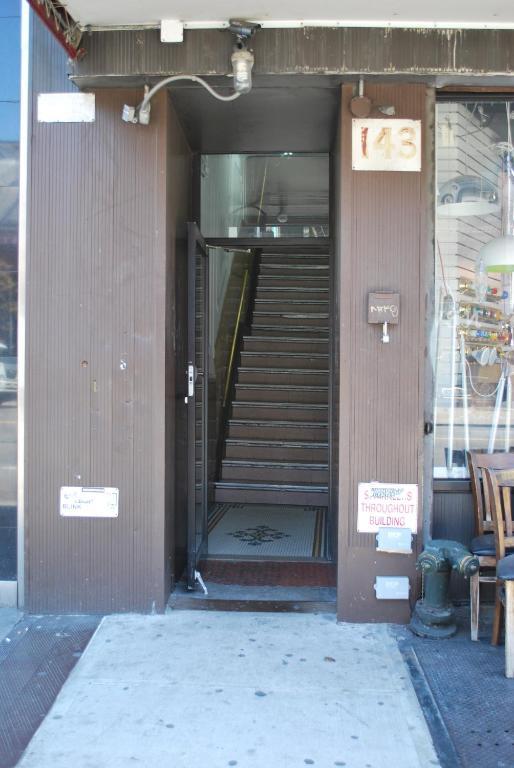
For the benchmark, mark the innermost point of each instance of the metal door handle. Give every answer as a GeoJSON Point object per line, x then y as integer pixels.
{"type": "Point", "coordinates": [190, 380]}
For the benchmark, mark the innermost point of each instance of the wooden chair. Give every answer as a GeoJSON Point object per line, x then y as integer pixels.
{"type": "Point", "coordinates": [499, 487]}
{"type": "Point", "coordinates": [506, 573]}
{"type": "Point", "coordinates": [483, 545]}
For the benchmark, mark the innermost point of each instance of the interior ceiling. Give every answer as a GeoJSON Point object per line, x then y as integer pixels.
{"type": "Point", "coordinates": [268, 119]}
{"type": "Point", "coordinates": [456, 13]}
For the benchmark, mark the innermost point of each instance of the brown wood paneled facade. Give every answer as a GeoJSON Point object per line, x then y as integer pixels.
{"type": "Point", "coordinates": [106, 336]}
{"type": "Point", "coordinates": [382, 246]}
{"type": "Point", "coordinates": [107, 202]}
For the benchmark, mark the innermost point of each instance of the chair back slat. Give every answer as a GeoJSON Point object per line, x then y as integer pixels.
{"type": "Point", "coordinates": [500, 497]}
{"type": "Point", "coordinates": [478, 461]}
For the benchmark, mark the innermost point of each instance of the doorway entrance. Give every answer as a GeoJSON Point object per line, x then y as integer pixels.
{"type": "Point", "coordinates": [259, 369]}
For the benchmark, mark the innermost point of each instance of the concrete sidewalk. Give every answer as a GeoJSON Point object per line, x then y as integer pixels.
{"type": "Point", "coordinates": [253, 690]}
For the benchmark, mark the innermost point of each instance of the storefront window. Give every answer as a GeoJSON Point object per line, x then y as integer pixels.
{"type": "Point", "coordinates": [9, 182]}
{"type": "Point", "coordinates": [281, 195]}
{"type": "Point", "coordinates": [474, 267]}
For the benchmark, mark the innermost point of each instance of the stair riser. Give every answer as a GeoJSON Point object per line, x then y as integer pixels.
{"type": "Point", "coordinates": [284, 345]}
{"type": "Point", "coordinates": [275, 475]}
{"type": "Point", "coordinates": [285, 319]}
{"type": "Point", "coordinates": [292, 281]}
{"type": "Point", "coordinates": [276, 452]}
{"type": "Point", "coordinates": [254, 394]}
{"type": "Point", "coordinates": [286, 270]}
{"type": "Point", "coordinates": [289, 432]}
{"type": "Point", "coordinates": [248, 496]}
{"type": "Point", "coordinates": [293, 258]}
{"type": "Point", "coordinates": [318, 415]}
{"type": "Point", "coordinates": [271, 330]}
{"type": "Point", "coordinates": [296, 294]}
{"type": "Point", "coordinates": [283, 305]}
{"type": "Point", "coordinates": [310, 378]}
{"type": "Point", "coordinates": [283, 360]}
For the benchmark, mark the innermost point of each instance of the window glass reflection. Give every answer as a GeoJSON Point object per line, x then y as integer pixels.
{"type": "Point", "coordinates": [282, 195]}
{"type": "Point", "coordinates": [474, 267]}
{"type": "Point", "coordinates": [9, 183]}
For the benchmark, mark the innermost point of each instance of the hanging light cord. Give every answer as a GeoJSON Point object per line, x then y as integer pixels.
{"type": "Point", "coordinates": [475, 390]}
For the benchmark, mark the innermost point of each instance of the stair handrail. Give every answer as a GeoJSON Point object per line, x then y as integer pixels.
{"type": "Point", "coordinates": [233, 346]}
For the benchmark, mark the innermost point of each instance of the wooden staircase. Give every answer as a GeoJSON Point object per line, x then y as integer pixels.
{"type": "Point", "coordinates": [276, 450]}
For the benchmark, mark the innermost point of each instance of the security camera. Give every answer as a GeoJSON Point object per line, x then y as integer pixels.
{"type": "Point", "coordinates": [243, 31]}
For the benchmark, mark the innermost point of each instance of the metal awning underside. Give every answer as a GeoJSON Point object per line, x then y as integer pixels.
{"type": "Point", "coordinates": [209, 13]}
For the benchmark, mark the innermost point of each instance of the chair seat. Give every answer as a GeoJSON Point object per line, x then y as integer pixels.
{"type": "Point", "coordinates": [505, 569]}
{"type": "Point", "coordinates": [483, 545]}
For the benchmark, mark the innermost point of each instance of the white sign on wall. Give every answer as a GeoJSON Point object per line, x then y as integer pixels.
{"type": "Point", "coordinates": [88, 502]}
{"type": "Point", "coordinates": [386, 145]}
{"type": "Point", "coordinates": [391, 505]}
{"type": "Point", "coordinates": [66, 108]}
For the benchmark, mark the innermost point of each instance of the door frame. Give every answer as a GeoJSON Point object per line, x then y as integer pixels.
{"type": "Point", "coordinates": [195, 546]}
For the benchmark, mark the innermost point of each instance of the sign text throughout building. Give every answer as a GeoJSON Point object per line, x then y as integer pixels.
{"type": "Point", "coordinates": [391, 505]}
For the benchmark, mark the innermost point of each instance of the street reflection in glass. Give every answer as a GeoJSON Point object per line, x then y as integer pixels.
{"type": "Point", "coordinates": [9, 192]}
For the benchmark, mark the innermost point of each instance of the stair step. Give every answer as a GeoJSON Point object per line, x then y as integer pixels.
{"type": "Point", "coordinates": [271, 493]}
{"type": "Point", "coordinates": [290, 318]}
{"type": "Point", "coordinates": [285, 293]}
{"type": "Point", "coordinates": [287, 360]}
{"type": "Point", "coordinates": [306, 376]}
{"type": "Point", "coordinates": [274, 471]}
{"type": "Point", "coordinates": [283, 344]}
{"type": "Point", "coordinates": [311, 331]}
{"type": "Point", "coordinates": [313, 412]}
{"type": "Point", "coordinates": [292, 281]}
{"type": "Point", "coordinates": [294, 258]}
{"type": "Point", "coordinates": [291, 305]}
{"type": "Point", "coordinates": [281, 393]}
{"type": "Point", "coordinates": [287, 268]}
{"type": "Point", "coordinates": [276, 450]}
{"type": "Point", "coordinates": [275, 429]}
{"type": "Point", "coordinates": [283, 450]}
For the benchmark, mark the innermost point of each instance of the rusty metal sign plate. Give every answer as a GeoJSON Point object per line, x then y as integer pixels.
{"type": "Point", "coordinates": [386, 145]}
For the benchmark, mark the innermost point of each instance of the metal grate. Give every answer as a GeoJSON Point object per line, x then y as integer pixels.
{"type": "Point", "coordinates": [36, 657]}
{"type": "Point", "coordinates": [472, 695]}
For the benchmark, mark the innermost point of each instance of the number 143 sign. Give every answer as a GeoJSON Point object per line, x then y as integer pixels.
{"type": "Point", "coordinates": [386, 145]}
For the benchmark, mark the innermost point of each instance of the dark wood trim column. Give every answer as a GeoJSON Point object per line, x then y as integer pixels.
{"type": "Point", "coordinates": [383, 246]}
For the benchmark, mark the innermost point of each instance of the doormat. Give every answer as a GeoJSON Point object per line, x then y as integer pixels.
{"type": "Point", "coordinates": [36, 657]}
{"type": "Point", "coordinates": [267, 531]}
{"type": "Point", "coordinates": [269, 573]}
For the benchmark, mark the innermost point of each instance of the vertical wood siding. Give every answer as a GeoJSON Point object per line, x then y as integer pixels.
{"type": "Point", "coordinates": [383, 247]}
{"type": "Point", "coordinates": [100, 267]}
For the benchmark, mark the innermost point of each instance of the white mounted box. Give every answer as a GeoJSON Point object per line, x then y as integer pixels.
{"type": "Point", "coordinates": [172, 31]}
{"type": "Point", "coordinates": [396, 541]}
{"type": "Point", "coordinates": [392, 587]}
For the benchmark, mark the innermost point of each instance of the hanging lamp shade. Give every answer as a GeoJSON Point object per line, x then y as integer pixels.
{"type": "Point", "coordinates": [467, 196]}
{"type": "Point", "coordinates": [498, 254]}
